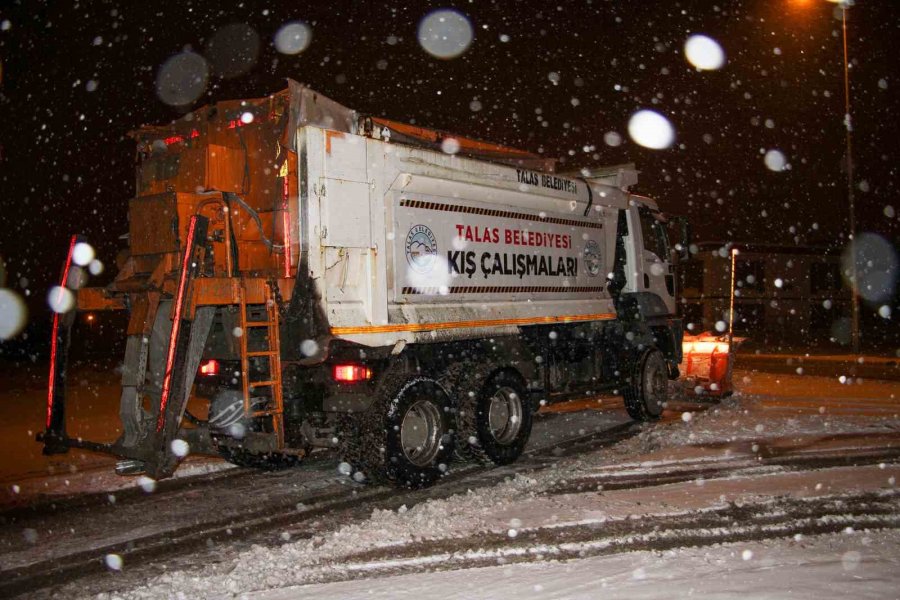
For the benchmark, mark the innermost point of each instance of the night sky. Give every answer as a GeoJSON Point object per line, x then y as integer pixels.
{"type": "Point", "coordinates": [550, 77]}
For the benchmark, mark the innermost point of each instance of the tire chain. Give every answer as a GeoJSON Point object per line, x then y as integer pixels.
{"type": "Point", "coordinates": [361, 436]}
{"type": "Point", "coordinates": [465, 381]}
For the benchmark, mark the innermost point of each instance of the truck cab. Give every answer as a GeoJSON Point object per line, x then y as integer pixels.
{"type": "Point", "coordinates": [653, 273]}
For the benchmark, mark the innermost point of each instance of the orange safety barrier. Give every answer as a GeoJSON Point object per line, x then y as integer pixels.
{"type": "Point", "coordinates": [707, 364]}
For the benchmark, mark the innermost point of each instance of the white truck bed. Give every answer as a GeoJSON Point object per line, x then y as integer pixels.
{"type": "Point", "coordinates": [409, 244]}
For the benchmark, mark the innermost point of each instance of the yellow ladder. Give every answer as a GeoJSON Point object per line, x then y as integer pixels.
{"type": "Point", "coordinates": [271, 351]}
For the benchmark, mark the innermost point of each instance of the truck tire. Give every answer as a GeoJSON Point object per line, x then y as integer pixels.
{"type": "Point", "coordinates": [647, 392]}
{"type": "Point", "coordinates": [406, 438]}
{"type": "Point", "coordinates": [494, 415]}
{"type": "Point", "coordinates": [464, 381]}
{"type": "Point", "coordinates": [503, 418]}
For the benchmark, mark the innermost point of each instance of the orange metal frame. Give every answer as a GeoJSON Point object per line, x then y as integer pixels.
{"type": "Point", "coordinates": [469, 324]}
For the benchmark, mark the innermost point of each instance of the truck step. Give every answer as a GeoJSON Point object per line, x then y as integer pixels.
{"type": "Point", "coordinates": [255, 384]}
{"type": "Point", "coordinates": [265, 413]}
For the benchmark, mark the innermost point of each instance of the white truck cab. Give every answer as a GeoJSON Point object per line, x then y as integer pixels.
{"type": "Point", "coordinates": [654, 272]}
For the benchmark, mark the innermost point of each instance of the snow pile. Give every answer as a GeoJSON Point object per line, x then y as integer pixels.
{"type": "Point", "coordinates": [262, 568]}
{"type": "Point", "coordinates": [744, 418]}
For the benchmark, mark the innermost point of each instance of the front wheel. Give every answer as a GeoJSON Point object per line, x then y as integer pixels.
{"type": "Point", "coordinates": [647, 392]}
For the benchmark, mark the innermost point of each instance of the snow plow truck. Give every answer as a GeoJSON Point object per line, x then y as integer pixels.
{"type": "Point", "coordinates": [334, 279]}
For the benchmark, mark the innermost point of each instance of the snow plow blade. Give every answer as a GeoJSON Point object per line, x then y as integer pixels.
{"type": "Point", "coordinates": [152, 444]}
{"type": "Point", "coordinates": [708, 363]}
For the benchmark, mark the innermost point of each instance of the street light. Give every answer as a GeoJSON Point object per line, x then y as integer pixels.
{"type": "Point", "coordinates": [851, 199]}
{"type": "Point", "coordinates": [734, 253]}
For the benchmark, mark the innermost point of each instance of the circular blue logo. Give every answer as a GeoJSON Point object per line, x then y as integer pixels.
{"type": "Point", "coordinates": [593, 260]}
{"type": "Point", "coordinates": [421, 249]}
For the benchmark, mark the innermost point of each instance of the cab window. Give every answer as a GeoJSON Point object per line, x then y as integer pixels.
{"type": "Point", "coordinates": [654, 234]}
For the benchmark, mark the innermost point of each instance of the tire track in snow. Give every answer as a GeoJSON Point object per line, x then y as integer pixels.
{"type": "Point", "coordinates": [782, 460]}
{"type": "Point", "coordinates": [335, 498]}
{"type": "Point", "coordinates": [733, 523]}
{"type": "Point", "coordinates": [345, 503]}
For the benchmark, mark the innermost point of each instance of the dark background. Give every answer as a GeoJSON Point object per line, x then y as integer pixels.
{"type": "Point", "coordinates": [67, 167]}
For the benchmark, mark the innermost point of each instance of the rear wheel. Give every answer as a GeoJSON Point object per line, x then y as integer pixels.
{"type": "Point", "coordinates": [647, 391]}
{"type": "Point", "coordinates": [465, 381]}
{"type": "Point", "coordinates": [494, 417]}
{"type": "Point", "coordinates": [405, 438]}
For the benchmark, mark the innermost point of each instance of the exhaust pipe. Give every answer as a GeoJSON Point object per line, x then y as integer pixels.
{"type": "Point", "coordinates": [129, 466]}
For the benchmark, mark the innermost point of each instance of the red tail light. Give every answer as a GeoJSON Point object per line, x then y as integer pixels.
{"type": "Point", "coordinates": [209, 367]}
{"type": "Point", "coordinates": [351, 373]}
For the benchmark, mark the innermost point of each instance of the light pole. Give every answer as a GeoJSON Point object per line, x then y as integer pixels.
{"type": "Point", "coordinates": [734, 253]}
{"type": "Point", "coordinates": [851, 197]}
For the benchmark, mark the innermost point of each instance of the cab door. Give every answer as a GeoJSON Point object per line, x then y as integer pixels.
{"type": "Point", "coordinates": [658, 275]}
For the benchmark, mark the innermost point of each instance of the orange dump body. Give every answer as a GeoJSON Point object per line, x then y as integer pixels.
{"type": "Point", "coordinates": [227, 162]}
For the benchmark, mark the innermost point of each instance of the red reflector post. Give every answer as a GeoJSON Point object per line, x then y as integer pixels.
{"type": "Point", "coordinates": [286, 224]}
{"type": "Point", "coordinates": [181, 300]}
{"type": "Point", "coordinates": [209, 367]}
{"type": "Point", "coordinates": [58, 345]}
{"type": "Point", "coordinates": [351, 373]}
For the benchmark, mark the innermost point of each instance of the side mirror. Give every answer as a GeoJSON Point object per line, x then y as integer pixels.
{"type": "Point", "coordinates": [685, 251]}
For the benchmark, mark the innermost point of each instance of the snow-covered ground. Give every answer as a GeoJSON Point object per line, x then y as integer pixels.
{"type": "Point", "coordinates": [557, 533]}
{"type": "Point", "coordinates": [484, 527]}
{"type": "Point", "coordinates": [92, 413]}
{"type": "Point", "coordinates": [857, 565]}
